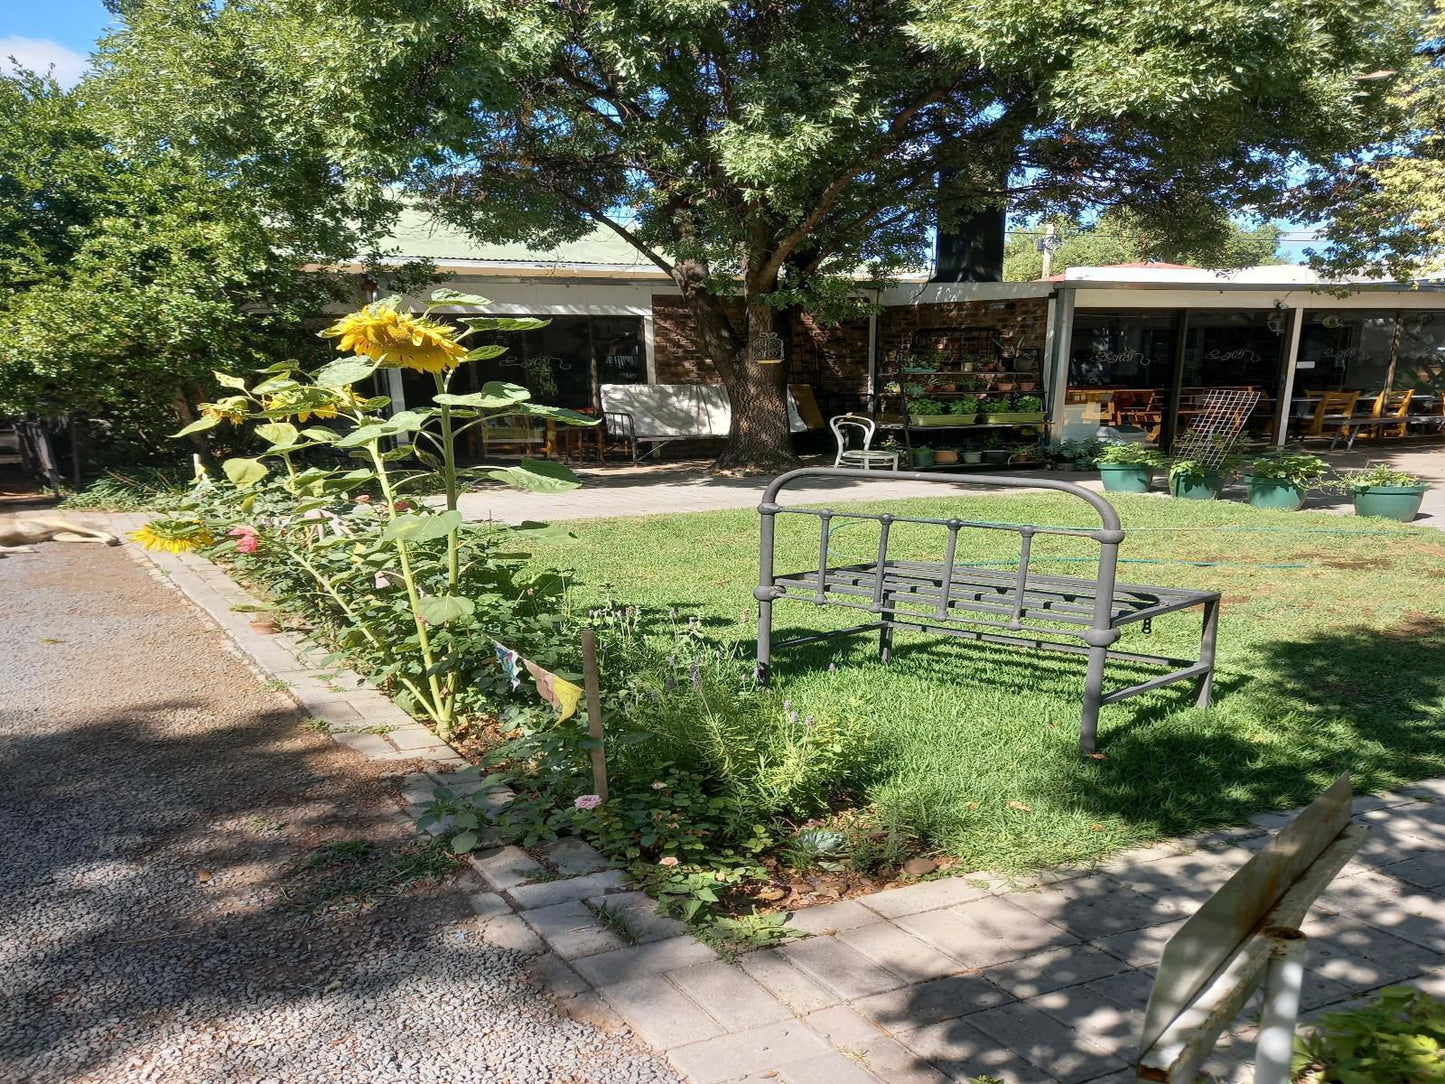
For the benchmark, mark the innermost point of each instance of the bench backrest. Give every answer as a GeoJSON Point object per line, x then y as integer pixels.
{"type": "Point", "coordinates": [680, 410]}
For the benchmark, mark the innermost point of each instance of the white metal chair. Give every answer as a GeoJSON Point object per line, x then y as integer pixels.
{"type": "Point", "coordinates": [862, 457]}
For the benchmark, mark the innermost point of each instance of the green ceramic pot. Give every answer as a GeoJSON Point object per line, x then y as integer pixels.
{"type": "Point", "coordinates": [1400, 503]}
{"type": "Point", "coordinates": [1126, 477]}
{"type": "Point", "coordinates": [923, 457]}
{"type": "Point", "coordinates": [1276, 494]}
{"type": "Point", "coordinates": [1196, 487]}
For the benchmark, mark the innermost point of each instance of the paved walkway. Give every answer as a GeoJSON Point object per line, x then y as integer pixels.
{"type": "Point", "coordinates": [1035, 981]}
{"type": "Point", "coordinates": [627, 490]}
{"type": "Point", "coordinates": [166, 820]}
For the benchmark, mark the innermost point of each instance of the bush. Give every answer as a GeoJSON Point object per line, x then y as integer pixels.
{"type": "Point", "coordinates": [1397, 1039]}
{"type": "Point", "coordinates": [1129, 454]}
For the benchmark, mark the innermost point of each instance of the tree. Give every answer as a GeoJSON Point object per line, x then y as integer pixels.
{"type": "Point", "coordinates": [124, 281]}
{"type": "Point", "coordinates": [1382, 207]}
{"type": "Point", "coordinates": [759, 152]}
{"type": "Point", "coordinates": [1118, 237]}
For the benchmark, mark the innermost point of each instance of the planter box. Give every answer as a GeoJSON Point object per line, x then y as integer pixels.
{"type": "Point", "coordinates": [1270, 493]}
{"type": "Point", "coordinates": [1015, 417]}
{"type": "Point", "coordinates": [1400, 503]}
{"type": "Point", "coordinates": [924, 420]}
{"type": "Point", "coordinates": [1196, 487]}
{"type": "Point", "coordinates": [1126, 477]}
{"type": "Point", "coordinates": [943, 458]}
{"type": "Point", "coordinates": [997, 456]}
{"type": "Point", "coordinates": [963, 419]}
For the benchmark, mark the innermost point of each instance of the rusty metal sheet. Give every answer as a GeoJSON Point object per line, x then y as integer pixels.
{"type": "Point", "coordinates": [1207, 942]}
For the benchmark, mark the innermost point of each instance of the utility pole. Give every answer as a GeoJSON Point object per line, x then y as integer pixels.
{"type": "Point", "coordinates": [1047, 246]}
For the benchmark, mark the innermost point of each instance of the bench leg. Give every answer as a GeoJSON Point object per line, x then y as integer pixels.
{"type": "Point", "coordinates": [1093, 694]}
{"type": "Point", "coordinates": [885, 643]}
{"type": "Point", "coordinates": [1206, 652]}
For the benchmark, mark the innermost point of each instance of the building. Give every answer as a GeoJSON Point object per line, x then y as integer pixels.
{"type": "Point", "coordinates": [1130, 344]}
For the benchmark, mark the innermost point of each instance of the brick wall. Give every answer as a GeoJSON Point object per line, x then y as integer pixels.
{"type": "Point", "coordinates": [836, 358]}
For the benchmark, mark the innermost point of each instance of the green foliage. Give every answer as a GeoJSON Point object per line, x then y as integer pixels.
{"type": "Point", "coordinates": [1028, 404]}
{"type": "Point", "coordinates": [1079, 454]}
{"type": "Point", "coordinates": [1399, 1038]}
{"type": "Point", "coordinates": [1212, 239]}
{"type": "Point", "coordinates": [1129, 453]}
{"type": "Point", "coordinates": [1301, 471]}
{"type": "Point", "coordinates": [1377, 474]}
{"type": "Point", "coordinates": [780, 148]}
{"type": "Point", "coordinates": [153, 489]}
{"type": "Point", "coordinates": [927, 407]}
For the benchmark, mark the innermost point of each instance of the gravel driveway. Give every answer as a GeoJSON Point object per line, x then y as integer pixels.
{"type": "Point", "coordinates": [186, 874]}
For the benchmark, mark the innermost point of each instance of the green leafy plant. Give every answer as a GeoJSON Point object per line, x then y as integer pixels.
{"type": "Point", "coordinates": [1028, 404]}
{"type": "Point", "coordinates": [1399, 1038]}
{"type": "Point", "coordinates": [817, 848]}
{"type": "Point", "coordinates": [965, 405]}
{"type": "Point", "coordinates": [1301, 471]}
{"type": "Point", "coordinates": [1126, 453]}
{"type": "Point", "coordinates": [1223, 464]}
{"type": "Point", "coordinates": [1079, 454]}
{"type": "Point", "coordinates": [1376, 474]}
{"type": "Point", "coordinates": [927, 407]}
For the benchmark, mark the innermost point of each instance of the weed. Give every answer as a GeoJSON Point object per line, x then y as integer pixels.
{"type": "Point", "coordinates": [610, 918]}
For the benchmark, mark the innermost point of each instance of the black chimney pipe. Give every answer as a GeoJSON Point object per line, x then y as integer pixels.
{"type": "Point", "coordinates": [972, 251]}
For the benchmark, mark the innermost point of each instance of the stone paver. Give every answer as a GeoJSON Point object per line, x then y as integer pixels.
{"type": "Point", "coordinates": [571, 930]}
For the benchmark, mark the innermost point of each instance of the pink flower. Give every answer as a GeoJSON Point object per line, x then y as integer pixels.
{"type": "Point", "coordinates": [404, 506]}
{"type": "Point", "coordinates": [242, 531]}
{"type": "Point", "coordinates": [670, 860]}
{"type": "Point", "coordinates": [365, 498]}
{"type": "Point", "coordinates": [246, 543]}
{"type": "Point", "coordinates": [588, 801]}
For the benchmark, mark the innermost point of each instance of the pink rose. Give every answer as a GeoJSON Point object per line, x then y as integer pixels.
{"type": "Point", "coordinates": [588, 801]}
{"type": "Point", "coordinates": [670, 860]}
{"type": "Point", "coordinates": [246, 543]}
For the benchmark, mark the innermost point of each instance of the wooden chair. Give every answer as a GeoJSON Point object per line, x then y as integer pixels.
{"type": "Point", "coordinates": [1334, 411]}
{"type": "Point", "coordinates": [1392, 404]}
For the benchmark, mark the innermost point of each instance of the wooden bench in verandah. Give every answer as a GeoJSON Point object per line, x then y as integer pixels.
{"type": "Point", "coordinates": [1019, 606]}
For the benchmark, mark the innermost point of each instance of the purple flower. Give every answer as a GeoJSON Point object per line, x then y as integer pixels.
{"type": "Point", "coordinates": [787, 705]}
{"type": "Point", "coordinates": [695, 676]}
{"type": "Point", "coordinates": [808, 722]}
{"type": "Point", "coordinates": [669, 683]}
{"type": "Point", "coordinates": [588, 801]}
{"type": "Point", "coordinates": [832, 668]}
{"type": "Point", "coordinates": [792, 716]}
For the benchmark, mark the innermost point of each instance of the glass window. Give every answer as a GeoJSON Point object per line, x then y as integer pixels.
{"type": "Point", "coordinates": [1345, 351]}
{"type": "Point", "coordinates": [1123, 349]}
{"type": "Point", "coordinates": [1421, 363]}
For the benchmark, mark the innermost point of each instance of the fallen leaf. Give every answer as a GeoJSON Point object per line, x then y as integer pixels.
{"type": "Point", "coordinates": [970, 805]}
{"type": "Point", "coordinates": [52, 640]}
{"type": "Point", "coordinates": [772, 893]}
{"type": "Point", "coordinates": [1022, 807]}
{"type": "Point", "coordinates": [919, 867]}
{"type": "Point", "coordinates": [1096, 827]}
{"type": "Point", "coordinates": [204, 876]}
{"type": "Point", "coordinates": [332, 986]}
{"type": "Point", "coordinates": [1098, 756]}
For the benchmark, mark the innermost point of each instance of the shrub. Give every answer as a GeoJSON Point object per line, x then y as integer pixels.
{"type": "Point", "coordinates": [1301, 471]}
{"type": "Point", "coordinates": [1400, 1037]}
{"type": "Point", "coordinates": [1129, 454]}
{"type": "Point", "coordinates": [1377, 474]}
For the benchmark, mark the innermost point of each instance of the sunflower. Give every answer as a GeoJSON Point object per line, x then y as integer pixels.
{"type": "Point", "coordinates": [230, 409]}
{"type": "Point", "coordinates": [173, 535]}
{"type": "Point", "coordinates": [400, 339]}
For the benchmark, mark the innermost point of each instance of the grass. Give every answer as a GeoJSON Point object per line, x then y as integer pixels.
{"type": "Point", "coordinates": [1330, 658]}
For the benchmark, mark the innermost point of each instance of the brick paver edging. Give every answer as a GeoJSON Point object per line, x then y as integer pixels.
{"type": "Point", "coordinates": [1039, 980]}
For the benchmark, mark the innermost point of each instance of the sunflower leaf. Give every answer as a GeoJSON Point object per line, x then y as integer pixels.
{"type": "Point", "coordinates": [413, 528]}
{"type": "Point", "coordinates": [456, 297]}
{"type": "Point", "coordinates": [344, 372]}
{"type": "Point", "coordinates": [198, 425]}
{"type": "Point", "coordinates": [278, 432]}
{"type": "Point", "coordinates": [244, 473]}
{"type": "Point", "coordinates": [439, 609]}
{"type": "Point", "coordinates": [538, 476]}
{"type": "Point", "coordinates": [226, 380]}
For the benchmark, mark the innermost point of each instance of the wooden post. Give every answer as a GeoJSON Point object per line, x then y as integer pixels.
{"type": "Point", "coordinates": [594, 712]}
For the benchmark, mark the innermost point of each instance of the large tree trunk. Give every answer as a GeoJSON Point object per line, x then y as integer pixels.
{"type": "Point", "coordinates": [759, 441]}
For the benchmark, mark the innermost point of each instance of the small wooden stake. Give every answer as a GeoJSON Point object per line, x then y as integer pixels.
{"type": "Point", "coordinates": [594, 712]}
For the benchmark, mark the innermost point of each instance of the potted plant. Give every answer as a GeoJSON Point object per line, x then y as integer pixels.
{"type": "Point", "coordinates": [1281, 481]}
{"type": "Point", "coordinates": [928, 412]}
{"type": "Point", "coordinates": [923, 457]}
{"type": "Point", "coordinates": [1027, 409]}
{"type": "Point", "coordinates": [1127, 468]}
{"type": "Point", "coordinates": [1381, 490]}
{"type": "Point", "coordinates": [972, 455]}
{"type": "Point", "coordinates": [1199, 478]}
{"type": "Point", "coordinates": [945, 456]}
{"type": "Point", "coordinates": [994, 451]}
{"type": "Point", "coordinates": [965, 409]}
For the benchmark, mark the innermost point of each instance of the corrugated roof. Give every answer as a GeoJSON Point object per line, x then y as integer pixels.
{"type": "Point", "coordinates": [420, 235]}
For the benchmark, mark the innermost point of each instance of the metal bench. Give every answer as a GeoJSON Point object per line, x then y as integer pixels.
{"type": "Point", "coordinates": [1019, 607]}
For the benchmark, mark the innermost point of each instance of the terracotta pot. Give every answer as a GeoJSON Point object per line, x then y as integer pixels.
{"type": "Point", "coordinates": [945, 455]}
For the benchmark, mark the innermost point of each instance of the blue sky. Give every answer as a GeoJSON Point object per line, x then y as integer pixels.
{"type": "Point", "coordinates": [41, 32]}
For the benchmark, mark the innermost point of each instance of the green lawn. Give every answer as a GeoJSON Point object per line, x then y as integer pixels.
{"type": "Point", "coordinates": [1336, 660]}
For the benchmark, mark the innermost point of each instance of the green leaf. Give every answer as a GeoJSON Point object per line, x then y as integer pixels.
{"type": "Point", "coordinates": [343, 372]}
{"type": "Point", "coordinates": [278, 432]}
{"type": "Point", "coordinates": [484, 353]}
{"type": "Point", "coordinates": [538, 476]}
{"type": "Point", "coordinates": [197, 426]}
{"type": "Point", "coordinates": [468, 819]}
{"type": "Point", "coordinates": [545, 532]}
{"type": "Point", "coordinates": [463, 842]}
{"type": "Point", "coordinates": [495, 395]}
{"type": "Point", "coordinates": [362, 434]}
{"type": "Point", "coordinates": [414, 528]}
{"type": "Point", "coordinates": [456, 297]}
{"type": "Point", "coordinates": [504, 323]}
{"type": "Point", "coordinates": [324, 436]}
{"type": "Point", "coordinates": [406, 421]}
{"type": "Point", "coordinates": [226, 380]}
{"type": "Point", "coordinates": [439, 609]}
{"type": "Point", "coordinates": [244, 473]}
{"type": "Point", "coordinates": [557, 414]}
